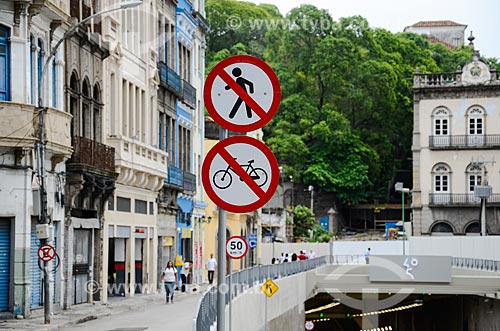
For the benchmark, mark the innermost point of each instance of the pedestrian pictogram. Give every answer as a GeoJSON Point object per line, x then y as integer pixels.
{"type": "Point", "coordinates": [269, 288]}
{"type": "Point", "coordinates": [236, 247]}
{"type": "Point", "coordinates": [242, 93]}
{"type": "Point", "coordinates": [46, 253]}
{"type": "Point", "coordinates": [240, 174]}
{"type": "Point", "coordinates": [309, 325]}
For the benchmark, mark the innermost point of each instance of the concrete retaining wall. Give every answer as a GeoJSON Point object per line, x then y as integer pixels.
{"type": "Point", "coordinates": [284, 311]}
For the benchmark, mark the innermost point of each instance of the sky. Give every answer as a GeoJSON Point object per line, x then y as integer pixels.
{"type": "Point", "coordinates": [482, 17]}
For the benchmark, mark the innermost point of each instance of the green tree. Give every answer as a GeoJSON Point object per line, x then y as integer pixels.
{"type": "Point", "coordinates": [303, 221]}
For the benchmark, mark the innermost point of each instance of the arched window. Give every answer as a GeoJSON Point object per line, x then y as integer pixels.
{"type": "Point", "coordinates": [441, 127]}
{"type": "Point", "coordinates": [474, 176]}
{"type": "Point", "coordinates": [97, 119]}
{"type": "Point", "coordinates": [74, 103]}
{"type": "Point", "coordinates": [473, 228]}
{"type": "Point", "coordinates": [441, 178]}
{"type": "Point", "coordinates": [475, 126]}
{"type": "Point", "coordinates": [32, 69]}
{"type": "Point", "coordinates": [86, 115]}
{"type": "Point", "coordinates": [40, 55]}
{"type": "Point", "coordinates": [442, 228]}
{"type": "Point", "coordinates": [4, 63]}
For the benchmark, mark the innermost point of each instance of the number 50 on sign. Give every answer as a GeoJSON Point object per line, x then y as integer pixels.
{"type": "Point", "coordinates": [236, 247]}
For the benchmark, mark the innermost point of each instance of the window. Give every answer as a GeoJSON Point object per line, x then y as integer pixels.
{"type": "Point", "coordinates": [32, 69]}
{"type": "Point", "coordinates": [475, 124]}
{"type": "Point", "coordinates": [41, 53]}
{"type": "Point", "coordinates": [74, 90]}
{"type": "Point", "coordinates": [86, 116]}
{"type": "Point", "coordinates": [151, 208]}
{"type": "Point", "coordinates": [474, 176]}
{"type": "Point", "coordinates": [442, 227]}
{"type": "Point", "coordinates": [141, 207]}
{"type": "Point", "coordinates": [441, 178]}
{"type": "Point", "coordinates": [123, 204]}
{"type": "Point", "coordinates": [97, 116]}
{"type": "Point", "coordinates": [54, 83]}
{"type": "Point", "coordinates": [4, 64]}
{"type": "Point", "coordinates": [441, 129]}
{"type": "Point", "coordinates": [473, 227]}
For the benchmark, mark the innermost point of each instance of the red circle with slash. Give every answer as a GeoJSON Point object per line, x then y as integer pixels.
{"type": "Point", "coordinates": [240, 174]}
{"type": "Point", "coordinates": [264, 103]}
{"type": "Point", "coordinates": [46, 253]}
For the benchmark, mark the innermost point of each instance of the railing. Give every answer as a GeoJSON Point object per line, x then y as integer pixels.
{"type": "Point", "coordinates": [188, 94]}
{"type": "Point", "coordinates": [435, 80]}
{"type": "Point", "coordinates": [454, 199]}
{"type": "Point", "coordinates": [170, 79]}
{"type": "Point", "coordinates": [469, 263]}
{"type": "Point", "coordinates": [464, 141]}
{"type": "Point", "coordinates": [189, 182]}
{"type": "Point", "coordinates": [206, 315]}
{"type": "Point", "coordinates": [93, 153]}
{"type": "Point", "coordinates": [174, 176]}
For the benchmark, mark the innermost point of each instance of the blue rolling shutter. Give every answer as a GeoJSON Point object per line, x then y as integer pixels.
{"type": "Point", "coordinates": [35, 298]}
{"type": "Point", "coordinates": [4, 264]}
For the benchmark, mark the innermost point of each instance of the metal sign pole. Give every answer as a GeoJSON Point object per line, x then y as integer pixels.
{"type": "Point", "coordinates": [230, 291]}
{"type": "Point", "coordinates": [221, 266]}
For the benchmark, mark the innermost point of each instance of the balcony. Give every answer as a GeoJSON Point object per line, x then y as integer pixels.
{"type": "Point", "coordinates": [19, 127]}
{"type": "Point", "coordinates": [85, 12]}
{"type": "Point", "coordinates": [188, 94]}
{"type": "Point", "coordinates": [489, 141]}
{"type": "Point", "coordinates": [93, 153]}
{"type": "Point", "coordinates": [189, 182]}
{"type": "Point", "coordinates": [453, 200]}
{"type": "Point", "coordinates": [174, 176]}
{"type": "Point", "coordinates": [170, 79]}
{"type": "Point", "coordinates": [202, 21]}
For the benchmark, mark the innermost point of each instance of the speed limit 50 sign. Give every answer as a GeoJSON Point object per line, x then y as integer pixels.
{"type": "Point", "coordinates": [236, 247]}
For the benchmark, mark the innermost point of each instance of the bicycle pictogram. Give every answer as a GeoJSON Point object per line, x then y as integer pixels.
{"type": "Point", "coordinates": [223, 178]}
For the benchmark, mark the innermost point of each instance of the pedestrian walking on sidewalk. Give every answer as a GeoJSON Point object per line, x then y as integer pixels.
{"type": "Point", "coordinates": [211, 264]}
{"type": "Point", "coordinates": [169, 276]}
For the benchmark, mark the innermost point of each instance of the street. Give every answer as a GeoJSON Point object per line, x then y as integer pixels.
{"type": "Point", "coordinates": [153, 316]}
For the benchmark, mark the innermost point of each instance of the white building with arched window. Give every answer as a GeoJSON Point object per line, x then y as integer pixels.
{"type": "Point", "coordinates": [456, 147]}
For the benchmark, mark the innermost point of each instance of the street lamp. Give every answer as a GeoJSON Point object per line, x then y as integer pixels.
{"type": "Point", "coordinates": [311, 189]}
{"type": "Point", "coordinates": [399, 188]}
{"type": "Point", "coordinates": [41, 145]}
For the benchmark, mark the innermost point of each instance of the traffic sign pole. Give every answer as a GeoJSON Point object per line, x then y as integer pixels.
{"type": "Point", "coordinates": [221, 251]}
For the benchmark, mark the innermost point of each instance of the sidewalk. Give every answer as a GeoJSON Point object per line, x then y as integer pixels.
{"type": "Point", "coordinates": [78, 314]}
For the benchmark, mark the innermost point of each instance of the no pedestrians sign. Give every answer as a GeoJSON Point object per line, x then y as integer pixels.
{"type": "Point", "coordinates": [242, 93]}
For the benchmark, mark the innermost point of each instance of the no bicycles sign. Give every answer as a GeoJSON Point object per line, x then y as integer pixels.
{"type": "Point", "coordinates": [240, 174]}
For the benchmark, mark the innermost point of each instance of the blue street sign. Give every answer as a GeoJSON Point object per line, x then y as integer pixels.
{"type": "Point", "coordinates": [252, 240]}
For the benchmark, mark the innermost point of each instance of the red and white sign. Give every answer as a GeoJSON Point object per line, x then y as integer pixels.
{"type": "Point", "coordinates": [46, 253]}
{"type": "Point", "coordinates": [236, 247]}
{"type": "Point", "coordinates": [242, 93]}
{"type": "Point", "coordinates": [240, 174]}
{"type": "Point", "coordinates": [309, 325]}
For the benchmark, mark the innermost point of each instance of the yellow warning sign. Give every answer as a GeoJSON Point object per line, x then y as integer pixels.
{"type": "Point", "coordinates": [269, 288]}
{"type": "Point", "coordinates": [178, 261]}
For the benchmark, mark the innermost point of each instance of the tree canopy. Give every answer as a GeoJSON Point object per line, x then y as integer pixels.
{"type": "Point", "coordinates": [346, 115]}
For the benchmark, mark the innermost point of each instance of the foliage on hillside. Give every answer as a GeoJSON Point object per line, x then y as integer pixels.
{"type": "Point", "coordinates": [346, 115]}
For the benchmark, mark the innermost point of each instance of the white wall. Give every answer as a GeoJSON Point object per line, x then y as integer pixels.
{"type": "Point", "coordinates": [471, 247]}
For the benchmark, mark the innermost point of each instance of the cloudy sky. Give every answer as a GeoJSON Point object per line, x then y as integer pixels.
{"type": "Point", "coordinates": [481, 16]}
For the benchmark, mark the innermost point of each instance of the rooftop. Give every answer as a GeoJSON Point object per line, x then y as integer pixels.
{"type": "Point", "coordinates": [436, 24]}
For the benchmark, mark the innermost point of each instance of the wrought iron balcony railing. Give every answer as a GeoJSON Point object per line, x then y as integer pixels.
{"type": "Point", "coordinates": [174, 176]}
{"type": "Point", "coordinates": [189, 182]}
{"type": "Point", "coordinates": [465, 199]}
{"type": "Point", "coordinates": [170, 79]}
{"type": "Point", "coordinates": [93, 153]}
{"type": "Point", "coordinates": [188, 94]}
{"type": "Point", "coordinates": [465, 141]}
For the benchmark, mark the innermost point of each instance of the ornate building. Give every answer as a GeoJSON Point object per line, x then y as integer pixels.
{"type": "Point", "coordinates": [456, 144]}
{"type": "Point", "coordinates": [28, 30]}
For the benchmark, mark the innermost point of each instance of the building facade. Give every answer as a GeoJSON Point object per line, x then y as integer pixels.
{"type": "Point", "coordinates": [28, 31]}
{"type": "Point", "coordinates": [449, 33]}
{"type": "Point", "coordinates": [456, 144]}
{"type": "Point", "coordinates": [130, 245]}
{"type": "Point", "coordinates": [90, 172]}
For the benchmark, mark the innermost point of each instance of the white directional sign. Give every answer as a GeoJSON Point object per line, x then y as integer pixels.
{"type": "Point", "coordinates": [236, 247]}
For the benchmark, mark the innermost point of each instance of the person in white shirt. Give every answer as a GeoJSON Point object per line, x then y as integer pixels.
{"type": "Point", "coordinates": [211, 264]}
{"type": "Point", "coordinates": [169, 276]}
{"type": "Point", "coordinates": [311, 255]}
{"type": "Point", "coordinates": [367, 255]}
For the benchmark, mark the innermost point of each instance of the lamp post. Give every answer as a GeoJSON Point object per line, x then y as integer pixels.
{"type": "Point", "coordinates": [399, 188]}
{"type": "Point", "coordinates": [311, 189]}
{"type": "Point", "coordinates": [41, 109]}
